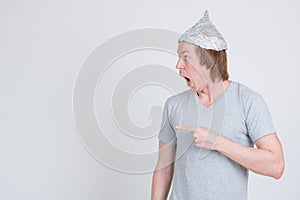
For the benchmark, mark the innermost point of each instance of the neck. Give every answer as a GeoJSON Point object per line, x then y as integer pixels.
{"type": "Point", "coordinates": [213, 91]}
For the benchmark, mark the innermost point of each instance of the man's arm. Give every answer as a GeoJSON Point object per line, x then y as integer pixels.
{"type": "Point", "coordinates": [163, 174]}
{"type": "Point", "coordinates": [267, 159]}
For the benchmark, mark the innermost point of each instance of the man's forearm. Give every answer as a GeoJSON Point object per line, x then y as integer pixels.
{"type": "Point", "coordinates": [161, 182]}
{"type": "Point", "coordinates": [261, 161]}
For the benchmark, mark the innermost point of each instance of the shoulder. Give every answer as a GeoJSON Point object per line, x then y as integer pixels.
{"type": "Point", "coordinates": [250, 100]}
{"type": "Point", "coordinates": [180, 98]}
{"type": "Point", "coordinates": [176, 103]}
{"type": "Point", "coordinates": [246, 95]}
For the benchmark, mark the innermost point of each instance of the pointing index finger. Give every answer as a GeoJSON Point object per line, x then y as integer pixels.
{"type": "Point", "coordinates": [186, 128]}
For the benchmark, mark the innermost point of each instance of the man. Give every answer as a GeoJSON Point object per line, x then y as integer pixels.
{"type": "Point", "coordinates": [208, 134]}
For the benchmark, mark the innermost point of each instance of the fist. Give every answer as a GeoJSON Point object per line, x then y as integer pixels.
{"type": "Point", "coordinates": [203, 137]}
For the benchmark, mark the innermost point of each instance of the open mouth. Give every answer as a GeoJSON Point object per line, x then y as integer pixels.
{"type": "Point", "coordinates": [187, 79]}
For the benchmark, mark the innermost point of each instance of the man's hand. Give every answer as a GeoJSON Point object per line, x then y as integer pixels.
{"type": "Point", "coordinates": [203, 137]}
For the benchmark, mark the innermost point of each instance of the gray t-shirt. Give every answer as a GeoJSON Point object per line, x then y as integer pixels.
{"type": "Point", "coordinates": [240, 114]}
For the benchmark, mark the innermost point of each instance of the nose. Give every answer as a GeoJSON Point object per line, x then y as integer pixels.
{"type": "Point", "coordinates": [180, 64]}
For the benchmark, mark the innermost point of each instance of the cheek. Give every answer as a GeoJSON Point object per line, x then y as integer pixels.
{"type": "Point", "coordinates": [202, 78]}
{"type": "Point", "coordinates": [197, 74]}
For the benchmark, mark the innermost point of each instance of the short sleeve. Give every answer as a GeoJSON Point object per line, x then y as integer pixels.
{"type": "Point", "coordinates": [258, 118]}
{"type": "Point", "coordinates": [167, 133]}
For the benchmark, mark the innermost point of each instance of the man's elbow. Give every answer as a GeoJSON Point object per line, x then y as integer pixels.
{"type": "Point", "coordinates": [278, 170]}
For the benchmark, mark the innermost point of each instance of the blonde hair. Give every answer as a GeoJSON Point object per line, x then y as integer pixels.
{"type": "Point", "coordinates": [216, 61]}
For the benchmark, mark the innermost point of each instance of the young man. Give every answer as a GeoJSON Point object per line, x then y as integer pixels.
{"type": "Point", "coordinates": [208, 134]}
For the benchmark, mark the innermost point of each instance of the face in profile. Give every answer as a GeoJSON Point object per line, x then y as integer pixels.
{"type": "Point", "coordinates": [189, 66]}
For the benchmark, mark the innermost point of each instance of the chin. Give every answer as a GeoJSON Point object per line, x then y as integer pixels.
{"type": "Point", "coordinates": [192, 88]}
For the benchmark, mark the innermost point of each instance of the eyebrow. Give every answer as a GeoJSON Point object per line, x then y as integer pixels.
{"type": "Point", "coordinates": [185, 51]}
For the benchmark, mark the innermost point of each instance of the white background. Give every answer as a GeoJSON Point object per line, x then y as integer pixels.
{"type": "Point", "coordinates": [43, 45]}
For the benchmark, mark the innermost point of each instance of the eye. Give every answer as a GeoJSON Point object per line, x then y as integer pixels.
{"type": "Point", "coordinates": [186, 57]}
